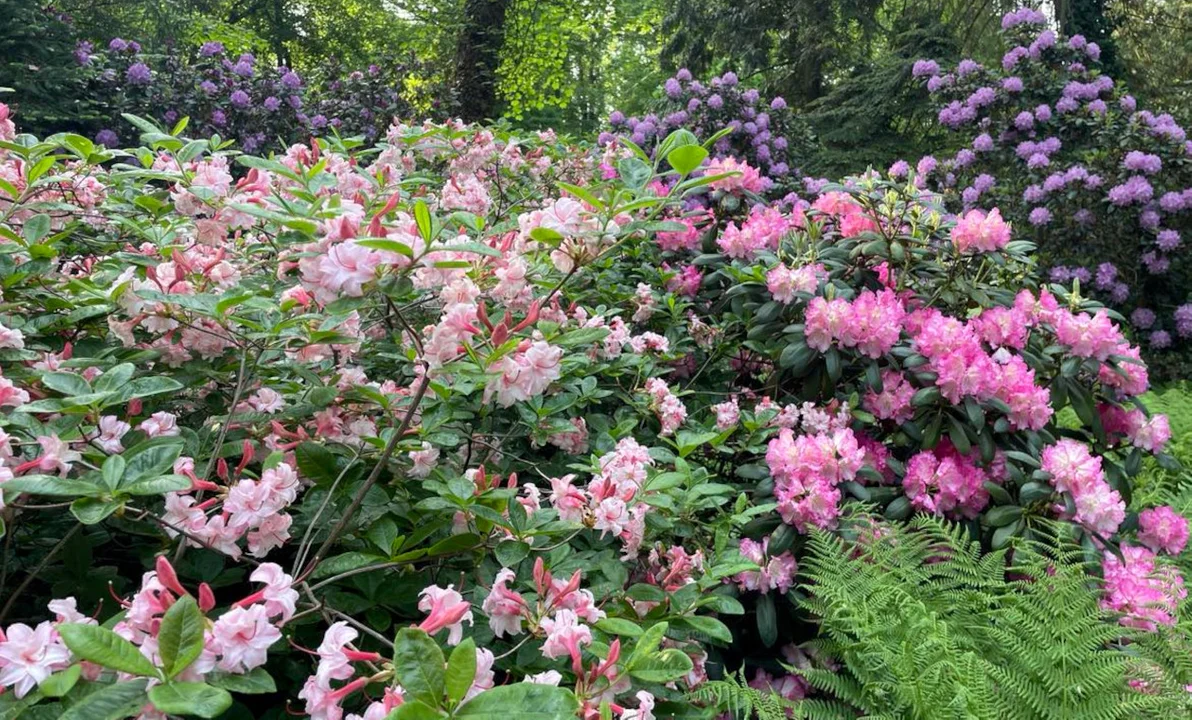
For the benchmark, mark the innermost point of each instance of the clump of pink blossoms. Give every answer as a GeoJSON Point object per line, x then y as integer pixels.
{"type": "Point", "coordinates": [945, 482]}
{"type": "Point", "coordinates": [807, 470]}
{"type": "Point", "coordinates": [977, 231]}
{"type": "Point", "coordinates": [1146, 593]}
{"type": "Point", "coordinates": [1162, 529]}
{"type": "Point", "coordinates": [783, 282]}
{"type": "Point", "coordinates": [670, 409]}
{"type": "Point", "coordinates": [872, 323]}
{"type": "Point", "coordinates": [775, 572]}
{"type": "Point", "coordinates": [1075, 470]}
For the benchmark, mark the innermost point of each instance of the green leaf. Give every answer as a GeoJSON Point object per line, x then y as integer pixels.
{"type": "Point", "coordinates": [767, 620]}
{"type": "Point", "coordinates": [414, 710]}
{"type": "Point", "coordinates": [158, 485]}
{"type": "Point", "coordinates": [66, 383]}
{"type": "Point", "coordinates": [144, 387]}
{"type": "Point", "coordinates": [104, 647]}
{"type": "Point", "coordinates": [255, 682]}
{"type": "Point", "coordinates": [36, 228]}
{"type": "Point", "coordinates": [51, 485]}
{"type": "Point", "coordinates": [419, 666]}
{"type": "Point", "coordinates": [461, 670]}
{"type": "Point", "coordinates": [180, 639]}
{"type": "Point", "coordinates": [511, 552]}
{"type": "Point", "coordinates": [191, 699]}
{"type": "Point", "coordinates": [666, 666]}
{"type": "Point", "coordinates": [90, 511]}
{"type": "Point", "coordinates": [1002, 515]}
{"type": "Point", "coordinates": [582, 194]}
{"type": "Point", "coordinates": [388, 245]}
{"type": "Point", "coordinates": [707, 626]}
{"type": "Point", "coordinates": [316, 463]}
{"type": "Point", "coordinates": [113, 702]}
{"type": "Point", "coordinates": [524, 701]}
{"type": "Point", "coordinates": [546, 236]}
{"type": "Point", "coordinates": [422, 219]}
{"type": "Point", "coordinates": [634, 172]}
{"type": "Point", "coordinates": [648, 643]}
{"type": "Point", "coordinates": [61, 682]}
{"type": "Point", "coordinates": [685, 159]}
{"type": "Point", "coordinates": [113, 471]}
{"type": "Point", "coordinates": [619, 626]}
{"type": "Point", "coordinates": [150, 459]}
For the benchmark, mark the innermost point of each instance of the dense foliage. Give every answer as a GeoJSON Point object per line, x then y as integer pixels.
{"type": "Point", "coordinates": [469, 422]}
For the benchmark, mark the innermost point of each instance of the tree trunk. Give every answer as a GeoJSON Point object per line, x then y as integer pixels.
{"type": "Point", "coordinates": [477, 54]}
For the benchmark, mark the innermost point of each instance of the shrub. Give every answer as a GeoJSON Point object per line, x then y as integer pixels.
{"type": "Point", "coordinates": [764, 133]}
{"type": "Point", "coordinates": [489, 422]}
{"type": "Point", "coordinates": [237, 97]}
{"type": "Point", "coordinates": [1098, 183]}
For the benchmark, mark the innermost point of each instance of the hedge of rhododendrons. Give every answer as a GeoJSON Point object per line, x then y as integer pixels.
{"type": "Point", "coordinates": [1098, 183]}
{"type": "Point", "coordinates": [467, 423]}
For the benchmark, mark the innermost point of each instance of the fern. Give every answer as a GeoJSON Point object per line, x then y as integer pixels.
{"type": "Point", "coordinates": [923, 625]}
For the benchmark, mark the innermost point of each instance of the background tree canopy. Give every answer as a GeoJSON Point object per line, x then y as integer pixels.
{"type": "Point", "coordinates": [844, 65]}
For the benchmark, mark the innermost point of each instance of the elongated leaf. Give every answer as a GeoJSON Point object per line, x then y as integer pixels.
{"type": "Point", "coordinates": [191, 699]}
{"type": "Point", "coordinates": [51, 485]}
{"type": "Point", "coordinates": [113, 702]}
{"type": "Point", "coordinates": [256, 682]}
{"type": "Point", "coordinates": [461, 670]}
{"type": "Point", "coordinates": [419, 665]}
{"type": "Point", "coordinates": [104, 647]}
{"type": "Point", "coordinates": [525, 701]}
{"type": "Point", "coordinates": [180, 639]}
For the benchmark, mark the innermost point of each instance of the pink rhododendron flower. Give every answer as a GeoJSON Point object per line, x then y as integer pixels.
{"type": "Point", "coordinates": [160, 424]}
{"type": "Point", "coordinates": [1145, 592]}
{"type": "Point", "coordinates": [564, 635]}
{"type": "Point", "coordinates": [1162, 529]}
{"type": "Point", "coordinates": [30, 655]}
{"type": "Point", "coordinates": [447, 609]}
{"type": "Point", "coordinates": [242, 637]}
{"type": "Point", "coordinates": [894, 401]}
{"type": "Point", "coordinates": [775, 572]}
{"type": "Point", "coordinates": [745, 178]}
{"type": "Point", "coordinates": [504, 607]}
{"type": "Point", "coordinates": [945, 482]}
{"type": "Point", "coordinates": [977, 231]}
{"type": "Point", "coordinates": [670, 409]}
{"type": "Point", "coordinates": [784, 282]}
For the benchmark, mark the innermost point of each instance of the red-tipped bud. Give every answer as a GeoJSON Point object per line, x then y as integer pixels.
{"type": "Point", "coordinates": [500, 333]}
{"type": "Point", "coordinates": [482, 313]}
{"type": "Point", "coordinates": [531, 317]}
{"type": "Point", "coordinates": [167, 576]}
{"type": "Point", "coordinates": [541, 576]}
{"type": "Point", "coordinates": [67, 351]}
{"type": "Point", "coordinates": [134, 406]}
{"type": "Point", "coordinates": [206, 598]}
{"type": "Point", "coordinates": [221, 469]}
{"type": "Point", "coordinates": [246, 456]}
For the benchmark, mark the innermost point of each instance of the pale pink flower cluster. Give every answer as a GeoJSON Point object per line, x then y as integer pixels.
{"type": "Point", "coordinates": [783, 282]}
{"type": "Point", "coordinates": [788, 687]}
{"type": "Point", "coordinates": [643, 299]}
{"type": "Point", "coordinates": [29, 655]}
{"type": "Point", "coordinates": [584, 237]}
{"type": "Point", "coordinates": [1162, 529]}
{"type": "Point", "coordinates": [572, 442]}
{"type": "Point", "coordinates": [872, 323]}
{"type": "Point", "coordinates": [775, 572]}
{"type": "Point", "coordinates": [466, 192]}
{"type": "Point", "coordinates": [744, 178]}
{"type": "Point", "coordinates": [1088, 336]}
{"type": "Point", "coordinates": [445, 608]}
{"type": "Point", "coordinates": [250, 507]}
{"type": "Point", "coordinates": [851, 219]}
{"type": "Point", "coordinates": [1147, 433]}
{"type": "Point", "coordinates": [762, 230]}
{"type": "Point", "coordinates": [728, 414]}
{"type": "Point", "coordinates": [894, 401]}
{"type": "Point", "coordinates": [525, 373]}
{"type": "Point", "coordinates": [977, 231]}
{"type": "Point", "coordinates": [672, 569]}
{"type": "Point", "coordinates": [688, 239]}
{"type": "Point", "coordinates": [670, 409]}
{"type": "Point", "coordinates": [807, 470]}
{"type": "Point", "coordinates": [1075, 470]}
{"type": "Point", "coordinates": [945, 482]}
{"type": "Point", "coordinates": [335, 663]}
{"type": "Point", "coordinates": [610, 502]}
{"type": "Point", "coordinates": [1145, 592]}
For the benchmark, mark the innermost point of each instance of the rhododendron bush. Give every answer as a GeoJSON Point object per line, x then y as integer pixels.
{"type": "Point", "coordinates": [470, 423]}
{"type": "Point", "coordinates": [1097, 181]}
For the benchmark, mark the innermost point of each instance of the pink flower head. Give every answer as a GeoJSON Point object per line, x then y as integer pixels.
{"type": "Point", "coordinates": [564, 635]}
{"type": "Point", "coordinates": [784, 282]}
{"type": "Point", "coordinates": [278, 595]}
{"type": "Point", "coordinates": [894, 401]}
{"type": "Point", "coordinates": [504, 607]}
{"type": "Point", "coordinates": [242, 637]}
{"type": "Point", "coordinates": [1146, 593]}
{"type": "Point", "coordinates": [977, 231]}
{"type": "Point", "coordinates": [775, 572]}
{"type": "Point", "coordinates": [160, 424]}
{"type": "Point", "coordinates": [944, 482]}
{"type": "Point", "coordinates": [56, 455]}
{"type": "Point", "coordinates": [568, 500]}
{"type": "Point", "coordinates": [1163, 529]}
{"type": "Point", "coordinates": [30, 655]}
{"type": "Point", "coordinates": [447, 609]}
{"type": "Point", "coordinates": [744, 177]}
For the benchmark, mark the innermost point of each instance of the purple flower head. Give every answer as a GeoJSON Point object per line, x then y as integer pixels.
{"type": "Point", "coordinates": [970, 196]}
{"type": "Point", "coordinates": [925, 67]}
{"type": "Point", "coordinates": [318, 122]}
{"type": "Point", "coordinates": [1024, 121]}
{"type": "Point", "coordinates": [1045, 41]}
{"type": "Point", "coordinates": [1093, 51]}
{"type": "Point", "coordinates": [964, 158]}
{"type": "Point", "coordinates": [780, 169]}
{"type": "Point", "coordinates": [272, 104]}
{"type": "Point", "coordinates": [243, 69]}
{"type": "Point", "coordinates": [1013, 57]}
{"type": "Point", "coordinates": [291, 80]}
{"type": "Point", "coordinates": [211, 48]}
{"type": "Point", "coordinates": [171, 116]}
{"type": "Point", "coordinates": [295, 102]}
{"type": "Point", "coordinates": [638, 138]}
{"type": "Point", "coordinates": [1053, 182]}
{"type": "Point", "coordinates": [138, 74]}
{"type": "Point", "coordinates": [118, 45]}
{"type": "Point", "coordinates": [715, 101]}
{"type": "Point", "coordinates": [1039, 216]}
{"type": "Point", "coordinates": [1148, 219]}
{"type": "Point", "coordinates": [1106, 276]}
{"type": "Point", "coordinates": [899, 169]}
{"type": "Point", "coordinates": [1142, 318]}
{"type": "Point", "coordinates": [778, 104]}
{"type": "Point", "coordinates": [1034, 194]}
{"type": "Point", "coordinates": [748, 113]}
{"type": "Point", "coordinates": [1093, 182]}
{"type": "Point", "coordinates": [1084, 216]}
{"type": "Point", "coordinates": [751, 96]}
{"type": "Point", "coordinates": [1128, 103]}
{"type": "Point", "coordinates": [729, 79]}
{"type": "Point", "coordinates": [780, 143]}
{"type": "Point", "coordinates": [1172, 202]}
{"type": "Point", "coordinates": [240, 99]}
{"type": "Point", "coordinates": [926, 165]}
{"type": "Point", "coordinates": [1066, 105]}
{"type": "Point", "coordinates": [616, 118]}
{"type": "Point", "coordinates": [763, 121]}
{"type": "Point", "coordinates": [1160, 339]}
{"type": "Point", "coordinates": [1168, 240]}
{"type": "Point", "coordinates": [1139, 161]}
{"type": "Point", "coordinates": [967, 66]}
{"type": "Point", "coordinates": [684, 75]}
{"type": "Point", "coordinates": [1098, 107]}
{"type": "Point", "coordinates": [983, 143]}
{"type": "Point", "coordinates": [1050, 145]}
{"type": "Point", "coordinates": [1076, 42]}
{"type": "Point", "coordinates": [1076, 68]}
{"type": "Point", "coordinates": [218, 118]}
{"type": "Point", "coordinates": [1038, 160]}
{"type": "Point", "coordinates": [693, 104]}
{"type": "Point", "coordinates": [1043, 113]}
{"type": "Point", "coordinates": [107, 138]}
{"type": "Point", "coordinates": [1156, 264]}
{"type": "Point", "coordinates": [1060, 274]}
{"type": "Point", "coordinates": [82, 52]}
{"type": "Point", "coordinates": [1120, 292]}
{"type": "Point", "coordinates": [763, 152]}
{"type": "Point", "coordinates": [134, 47]}
{"type": "Point", "coordinates": [1023, 16]}
{"type": "Point", "coordinates": [672, 88]}
{"type": "Point", "coordinates": [1082, 274]}
{"type": "Point", "coordinates": [1183, 320]}
{"type": "Point", "coordinates": [984, 182]}
{"type": "Point", "coordinates": [1136, 189]}
{"type": "Point", "coordinates": [981, 97]}
{"type": "Point", "coordinates": [1012, 84]}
